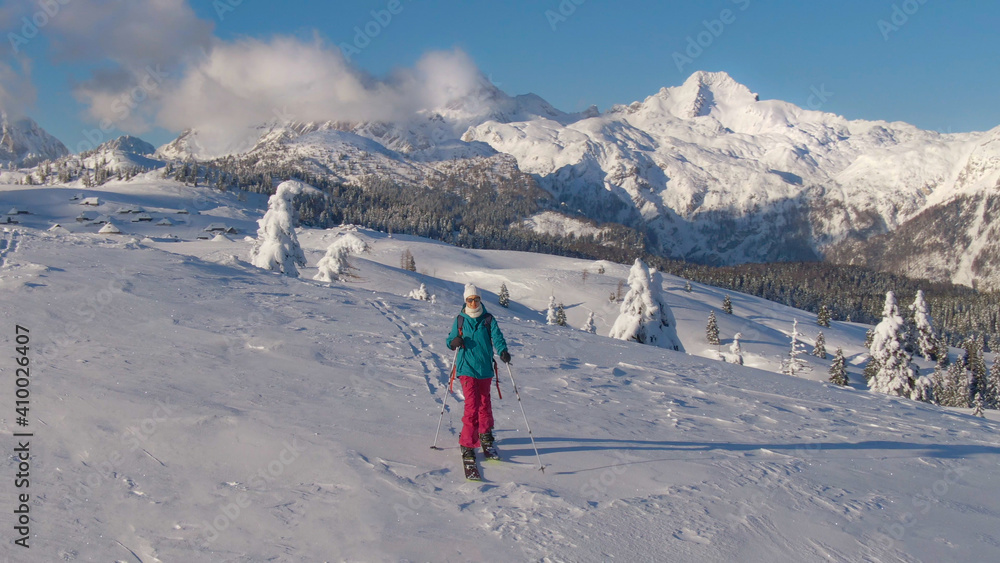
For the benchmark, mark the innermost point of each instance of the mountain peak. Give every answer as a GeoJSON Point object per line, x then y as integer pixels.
{"type": "Point", "coordinates": [704, 91]}
{"type": "Point", "coordinates": [487, 101]}
{"type": "Point", "coordinates": [24, 143]}
{"type": "Point", "coordinates": [128, 144]}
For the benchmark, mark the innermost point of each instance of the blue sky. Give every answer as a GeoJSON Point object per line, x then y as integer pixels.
{"type": "Point", "coordinates": [933, 63]}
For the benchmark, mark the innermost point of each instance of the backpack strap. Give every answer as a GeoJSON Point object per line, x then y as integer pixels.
{"type": "Point", "coordinates": [487, 320]}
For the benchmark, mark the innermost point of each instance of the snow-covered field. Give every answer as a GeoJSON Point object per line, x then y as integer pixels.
{"type": "Point", "coordinates": [187, 406]}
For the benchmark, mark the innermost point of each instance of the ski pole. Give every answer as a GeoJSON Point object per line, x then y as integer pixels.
{"type": "Point", "coordinates": [518, 395]}
{"type": "Point", "coordinates": [454, 363]}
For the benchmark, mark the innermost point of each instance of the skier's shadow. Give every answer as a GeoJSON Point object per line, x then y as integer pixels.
{"type": "Point", "coordinates": [811, 450]}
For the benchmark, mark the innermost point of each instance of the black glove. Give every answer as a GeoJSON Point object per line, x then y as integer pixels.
{"type": "Point", "coordinates": [505, 357]}
{"type": "Point", "coordinates": [457, 343]}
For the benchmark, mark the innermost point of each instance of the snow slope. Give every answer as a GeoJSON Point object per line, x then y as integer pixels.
{"type": "Point", "coordinates": [189, 407]}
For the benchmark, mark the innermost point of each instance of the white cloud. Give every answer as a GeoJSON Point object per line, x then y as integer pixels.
{"type": "Point", "coordinates": [145, 42]}
{"type": "Point", "coordinates": [157, 63]}
{"type": "Point", "coordinates": [131, 33]}
{"type": "Point", "coordinates": [17, 93]}
{"type": "Point", "coordinates": [249, 82]}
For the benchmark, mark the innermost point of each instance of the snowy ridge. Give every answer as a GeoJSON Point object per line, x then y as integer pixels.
{"type": "Point", "coordinates": [124, 153]}
{"type": "Point", "coordinates": [294, 419]}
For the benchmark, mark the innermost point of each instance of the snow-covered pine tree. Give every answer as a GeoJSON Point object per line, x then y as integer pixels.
{"type": "Point", "coordinates": [942, 351]}
{"type": "Point", "coordinates": [926, 341]}
{"type": "Point", "coordinates": [978, 373]}
{"type": "Point", "coordinates": [939, 381]}
{"type": "Point", "coordinates": [736, 350]}
{"type": "Point", "coordinates": [956, 386]}
{"type": "Point", "coordinates": [560, 315]}
{"type": "Point", "coordinates": [974, 357]}
{"type": "Point", "coordinates": [644, 316]}
{"type": "Point", "coordinates": [277, 247]}
{"type": "Point", "coordinates": [420, 293]}
{"type": "Point", "coordinates": [819, 349]}
{"type": "Point", "coordinates": [823, 316]}
{"type": "Point", "coordinates": [992, 395]}
{"type": "Point", "coordinates": [727, 306]}
{"type": "Point", "coordinates": [923, 389]}
{"type": "Point", "coordinates": [870, 369]}
{"type": "Point", "coordinates": [663, 329]}
{"type": "Point", "coordinates": [977, 405]}
{"type": "Point", "coordinates": [550, 314]}
{"type": "Point", "coordinates": [712, 329]}
{"type": "Point", "coordinates": [589, 325]}
{"type": "Point", "coordinates": [334, 266]}
{"type": "Point", "coordinates": [687, 286]}
{"type": "Point", "coordinates": [504, 297]}
{"type": "Point", "coordinates": [407, 262]}
{"type": "Point", "coordinates": [838, 371]}
{"type": "Point", "coordinates": [794, 364]}
{"type": "Point", "coordinates": [895, 374]}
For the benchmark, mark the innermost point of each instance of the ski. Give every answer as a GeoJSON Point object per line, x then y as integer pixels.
{"type": "Point", "coordinates": [471, 469]}
{"type": "Point", "coordinates": [490, 452]}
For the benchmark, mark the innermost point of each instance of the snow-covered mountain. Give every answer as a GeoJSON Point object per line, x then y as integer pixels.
{"type": "Point", "coordinates": [125, 152]}
{"type": "Point", "coordinates": [187, 406]}
{"type": "Point", "coordinates": [24, 143]}
{"type": "Point", "coordinates": [722, 177]}
{"type": "Point", "coordinates": [421, 136]}
{"type": "Point", "coordinates": [708, 170]}
{"type": "Point", "coordinates": [955, 238]}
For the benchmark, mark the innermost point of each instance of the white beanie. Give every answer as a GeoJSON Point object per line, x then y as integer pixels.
{"type": "Point", "coordinates": [470, 291]}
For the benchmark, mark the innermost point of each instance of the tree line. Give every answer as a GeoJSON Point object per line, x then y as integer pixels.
{"type": "Point", "coordinates": [480, 209]}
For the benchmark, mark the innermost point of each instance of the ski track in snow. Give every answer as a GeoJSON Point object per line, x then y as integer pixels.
{"type": "Point", "coordinates": [431, 363]}
{"type": "Point", "coordinates": [8, 245]}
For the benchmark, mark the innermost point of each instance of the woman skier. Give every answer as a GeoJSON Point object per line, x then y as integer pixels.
{"type": "Point", "coordinates": [476, 334]}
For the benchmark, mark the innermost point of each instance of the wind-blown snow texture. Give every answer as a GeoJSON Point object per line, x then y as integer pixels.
{"type": "Point", "coordinates": [188, 406]}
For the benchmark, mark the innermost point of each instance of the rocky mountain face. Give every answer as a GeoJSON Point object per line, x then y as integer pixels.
{"type": "Point", "coordinates": [707, 170]}
{"type": "Point", "coordinates": [24, 143]}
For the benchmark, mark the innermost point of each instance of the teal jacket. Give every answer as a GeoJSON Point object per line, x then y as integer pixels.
{"type": "Point", "coordinates": [476, 358]}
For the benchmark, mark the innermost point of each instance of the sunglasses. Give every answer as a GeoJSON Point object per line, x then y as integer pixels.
{"type": "Point", "coordinates": [473, 300]}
